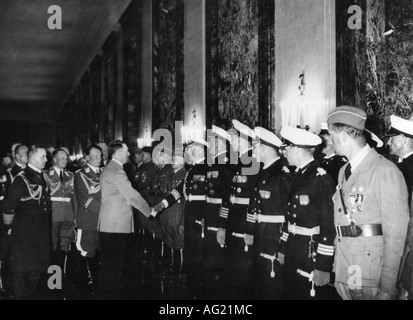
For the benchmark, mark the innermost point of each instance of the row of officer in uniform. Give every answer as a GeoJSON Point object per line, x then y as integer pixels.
{"type": "Point", "coordinates": [290, 226]}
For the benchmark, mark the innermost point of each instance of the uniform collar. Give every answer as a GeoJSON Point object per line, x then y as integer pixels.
{"type": "Point", "coordinates": [355, 162]}
{"type": "Point", "coordinates": [405, 157]}
{"type": "Point", "coordinates": [118, 162]}
{"type": "Point", "coordinates": [94, 169]}
{"type": "Point", "coordinates": [34, 168]}
{"type": "Point", "coordinates": [330, 156]}
{"type": "Point", "coordinates": [57, 170]}
{"type": "Point", "coordinates": [270, 164]}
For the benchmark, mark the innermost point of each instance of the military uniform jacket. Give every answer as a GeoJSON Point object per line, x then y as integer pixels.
{"type": "Point", "coordinates": [406, 167]}
{"type": "Point", "coordinates": [234, 211]}
{"type": "Point", "coordinates": [145, 177]}
{"type": "Point", "coordinates": [311, 206]}
{"type": "Point", "coordinates": [61, 194]}
{"type": "Point", "coordinates": [375, 193]}
{"type": "Point", "coordinates": [173, 216]}
{"type": "Point", "coordinates": [270, 200]}
{"type": "Point", "coordinates": [218, 184]}
{"type": "Point", "coordinates": [28, 200]}
{"type": "Point", "coordinates": [333, 165]}
{"type": "Point", "coordinates": [88, 195]}
{"type": "Point", "coordinates": [12, 173]}
{"type": "Point", "coordinates": [192, 189]}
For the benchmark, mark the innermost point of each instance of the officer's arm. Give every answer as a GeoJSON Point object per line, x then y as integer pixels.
{"type": "Point", "coordinates": [287, 181]}
{"type": "Point", "coordinates": [174, 195]}
{"type": "Point", "coordinates": [393, 205]}
{"type": "Point", "coordinates": [84, 199]}
{"type": "Point", "coordinates": [325, 251]}
{"type": "Point", "coordinates": [226, 193]}
{"type": "Point", "coordinates": [11, 200]}
{"type": "Point", "coordinates": [132, 196]}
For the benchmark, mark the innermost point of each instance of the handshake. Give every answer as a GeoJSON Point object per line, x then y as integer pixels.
{"type": "Point", "coordinates": [159, 207]}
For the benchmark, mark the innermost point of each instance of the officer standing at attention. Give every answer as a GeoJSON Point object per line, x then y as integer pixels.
{"type": "Point", "coordinates": [193, 189]}
{"type": "Point", "coordinates": [61, 185]}
{"type": "Point", "coordinates": [310, 233]}
{"type": "Point", "coordinates": [401, 145]}
{"type": "Point", "coordinates": [235, 221]}
{"type": "Point", "coordinates": [331, 163]}
{"type": "Point", "coordinates": [218, 182]}
{"type": "Point", "coordinates": [27, 212]}
{"type": "Point", "coordinates": [269, 204]}
{"type": "Point", "coordinates": [88, 195]}
{"type": "Point", "coordinates": [370, 212]}
{"type": "Point", "coordinates": [171, 220]}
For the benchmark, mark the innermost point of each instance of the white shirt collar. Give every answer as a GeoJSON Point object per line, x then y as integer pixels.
{"type": "Point", "coordinates": [199, 161]}
{"type": "Point", "coordinates": [57, 170]}
{"type": "Point", "coordinates": [405, 157]}
{"type": "Point", "coordinates": [330, 156]}
{"type": "Point", "coordinates": [118, 162]}
{"type": "Point", "coordinates": [94, 169]}
{"type": "Point", "coordinates": [359, 157]}
{"type": "Point", "coordinates": [270, 164]}
{"type": "Point", "coordinates": [34, 168]}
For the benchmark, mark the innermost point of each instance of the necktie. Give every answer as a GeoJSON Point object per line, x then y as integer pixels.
{"type": "Point", "coordinates": [61, 175]}
{"type": "Point", "coordinates": [347, 171]}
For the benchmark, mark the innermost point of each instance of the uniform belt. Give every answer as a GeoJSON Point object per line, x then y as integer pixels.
{"type": "Point", "coordinates": [363, 230]}
{"type": "Point", "coordinates": [303, 231]}
{"type": "Point", "coordinates": [270, 219]}
{"type": "Point", "coordinates": [214, 200]}
{"type": "Point", "coordinates": [60, 199]}
{"type": "Point", "coordinates": [195, 198]}
{"type": "Point", "coordinates": [243, 201]}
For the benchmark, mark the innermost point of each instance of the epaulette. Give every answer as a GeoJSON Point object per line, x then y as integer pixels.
{"type": "Point", "coordinates": [321, 172]}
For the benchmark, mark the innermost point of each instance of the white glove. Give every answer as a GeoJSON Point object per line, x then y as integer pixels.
{"type": "Point", "coordinates": [78, 246]}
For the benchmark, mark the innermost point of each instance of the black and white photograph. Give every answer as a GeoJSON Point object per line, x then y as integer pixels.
{"type": "Point", "coordinates": [205, 155]}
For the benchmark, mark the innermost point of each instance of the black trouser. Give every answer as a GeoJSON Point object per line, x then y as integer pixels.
{"type": "Point", "coordinates": [25, 284]}
{"type": "Point", "coordinates": [113, 249]}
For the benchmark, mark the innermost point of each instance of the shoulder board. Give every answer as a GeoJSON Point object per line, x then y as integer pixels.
{"type": "Point", "coordinates": [344, 160]}
{"type": "Point", "coordinates": [50, 172]}
{"type": "Point", "coordinates": [87, 170]}
{"type": "Point", "coordinates": [321, 172]}
{"type": "Point", "coordinates": [286, 170]}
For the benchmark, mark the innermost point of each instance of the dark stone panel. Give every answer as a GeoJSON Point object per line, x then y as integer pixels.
{"type": "Point", "coordinates": [240, 52]}
{"type": "Point", "coordinates": [350, 53]}
{"type": "Point", "coordinates": [266, 63]}
{"type": "Point", "coordinates": [399, 54]}
{"type": "Point", "coordinates": [168, 63]}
